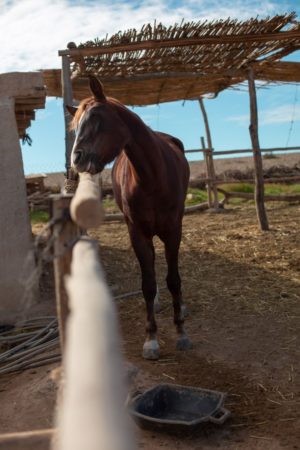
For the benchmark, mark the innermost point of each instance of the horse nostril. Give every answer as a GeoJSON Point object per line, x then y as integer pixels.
{"type": "Point", "coordinates": [77, 157]}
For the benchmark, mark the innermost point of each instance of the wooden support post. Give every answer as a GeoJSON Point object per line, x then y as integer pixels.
{"type": "Point", "coordinates": [258, 168]}
{"type": "Point", "coordinates": [67, 94]}
{"type": "Point", "coordinates": [65, 233]}
{"type": "Point", "coordinates": [208, 174]}
{"type": "Point", "coordinates": [209, 156]}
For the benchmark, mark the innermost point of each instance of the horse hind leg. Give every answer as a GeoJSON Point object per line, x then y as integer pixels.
{"type": "Point", "coordinates": [174, 285]}
{"type": "Point", "coordinates": [144, 251]}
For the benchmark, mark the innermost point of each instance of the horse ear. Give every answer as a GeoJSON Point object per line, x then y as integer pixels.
{"type": "Point", "coordinates": [71, 109]}
{"type": "Point", "coordinates": [96, 88]}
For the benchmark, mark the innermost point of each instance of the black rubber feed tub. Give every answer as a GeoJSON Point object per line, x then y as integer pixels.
{"type": "Point", "coordinates": [177, 408]}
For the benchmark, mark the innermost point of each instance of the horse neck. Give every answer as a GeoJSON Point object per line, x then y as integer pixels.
{"type": "Point", "coordinates": [143, 150]}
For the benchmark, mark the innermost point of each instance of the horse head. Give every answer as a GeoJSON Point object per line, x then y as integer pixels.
{"type": "Point", "coordinates": [100, 132]}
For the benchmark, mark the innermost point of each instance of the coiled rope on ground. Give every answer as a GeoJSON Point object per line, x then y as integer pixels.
{"type": "Point", "coordinates": [32, 344]}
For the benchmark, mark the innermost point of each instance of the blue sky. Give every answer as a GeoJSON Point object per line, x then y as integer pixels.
{"type": "Point", "coordinates": [37, 29]}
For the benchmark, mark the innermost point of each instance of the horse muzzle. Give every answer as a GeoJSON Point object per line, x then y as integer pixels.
{"type": "Point", "coordinates": [77, 156]}
{"type": "Point", "coordinates": [80, 161]}
{"type": "Point", "coordinates": [86, 162]}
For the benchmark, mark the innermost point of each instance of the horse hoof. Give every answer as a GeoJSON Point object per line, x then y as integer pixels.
{"type": "Point", "coordinates": [151, 350]}
{"type": "Point", "coordinates": [184, 343]}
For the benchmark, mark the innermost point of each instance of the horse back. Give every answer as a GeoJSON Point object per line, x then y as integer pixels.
{"type": "Point", "coordinates": [162, 198]}
{"type": "Point", "coordinates": [171, 139]}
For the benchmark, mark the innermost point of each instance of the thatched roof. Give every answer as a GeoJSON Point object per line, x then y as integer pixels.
{"type": "Point", "coordinates": [159, 64]}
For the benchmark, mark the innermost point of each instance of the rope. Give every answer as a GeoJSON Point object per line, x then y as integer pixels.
{"type": "Point", "coordinates": [293, 117]}
{"type": "Point", "coordinates": [29, 345]}
{"type": "Point", "coordinates": [70, 186]}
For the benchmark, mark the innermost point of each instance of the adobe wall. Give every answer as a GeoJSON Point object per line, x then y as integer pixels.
{"type": "Point", "coordinates": [16, 256]}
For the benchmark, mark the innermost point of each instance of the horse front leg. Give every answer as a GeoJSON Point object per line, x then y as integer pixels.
{"type": "Point", "coordinates": [144, 250]}
{"type": "Point", "coordinates": [172, 243]}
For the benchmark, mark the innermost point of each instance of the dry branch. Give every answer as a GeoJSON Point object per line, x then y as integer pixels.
{"type": "Point", "coordinates": [249, 196]}
{"type": "Point", "coordinates": [27, 440]}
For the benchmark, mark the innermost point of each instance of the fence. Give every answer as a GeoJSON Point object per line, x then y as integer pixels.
{"type": "Point", "coordinates": [212, 181]}
{"type": "Point", "coordinates": [91, 411]}
{"type": "Point", "coordinates": [91, 414]}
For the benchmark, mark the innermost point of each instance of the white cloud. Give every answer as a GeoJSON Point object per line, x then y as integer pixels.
{"type": "Point", "coordinates": [277, 115]}
{"type": "Point", "coordinates": [32, 31]}
{"type": "Point", "coordinates": [281, 114]}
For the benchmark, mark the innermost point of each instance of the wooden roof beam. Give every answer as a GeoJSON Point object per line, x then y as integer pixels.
{"type": "Point", "coordinates": [204, 40]}
{"type": "Point", "coordinates": [167, 75]}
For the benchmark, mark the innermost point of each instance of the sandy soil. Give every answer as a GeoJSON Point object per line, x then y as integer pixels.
{"type": "Point", "coordinates": [242, 288]}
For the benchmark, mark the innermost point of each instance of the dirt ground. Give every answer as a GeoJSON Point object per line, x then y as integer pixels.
{"type": "Point", "coordinates": [242, 289]}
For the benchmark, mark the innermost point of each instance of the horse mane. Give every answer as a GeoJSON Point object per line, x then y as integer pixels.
{"type": "Point", "coordinates": [84, 104]}
{"type": "Point", "coordinates": [81, 108]}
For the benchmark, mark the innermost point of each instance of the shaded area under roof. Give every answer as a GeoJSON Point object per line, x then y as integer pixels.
{"type": "Point", "coordinates": [159, 64]}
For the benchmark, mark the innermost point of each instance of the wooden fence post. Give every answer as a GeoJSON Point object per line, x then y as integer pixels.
{"type": "Point", "coordinates": [64, 232]}
{"type": "Point", "coordinates": [209, 156]}
{"type": "Point", "coordinates": [208, 174]}
{"type": "Point", "coordinates": [67, 94]}
{"type": "Point", "coordinates": [85, 209]}
{"type": "Point", "coordinates": [258, 168]}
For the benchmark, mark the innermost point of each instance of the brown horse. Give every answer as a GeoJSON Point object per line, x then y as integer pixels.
{"type": "Point", "coordinates": [150, 178]}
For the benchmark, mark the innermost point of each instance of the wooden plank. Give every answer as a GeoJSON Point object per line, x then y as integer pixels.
{"type": "Point", "coordinates": [35, 104]}
{"type": "Point", "coordinates": [263, 150]}
{"type": "Point", "coordinates": [92, 414]}
{"type": "Point", "coordinates": [27, 440]}
{"type": "Point", "coordinates": [25, 114]}
{"type": "Point", "coordinates": [273, 197]}
{"type": "Point", "coordinates": [248, 150]}
{"type": "Point", "coordinates": [23, 122]}
{"type": "Point", "coordinates": [166, 75]}
{"type": "Point", "coordinates": [204, 40]}
{"type": "Point", "coordinates": [291, 179]}
{"type": "Point", "coordinates": [29, 100]}
{"type": "Point", "coordinates": [258, 168]}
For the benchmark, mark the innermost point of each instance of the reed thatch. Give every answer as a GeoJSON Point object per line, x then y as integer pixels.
{"type": "Point", "coordinates": [159, 63]}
